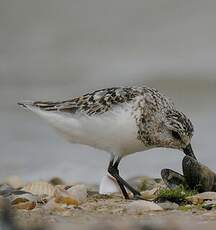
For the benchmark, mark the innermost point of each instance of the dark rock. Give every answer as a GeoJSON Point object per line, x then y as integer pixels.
{"type": "Point", "coordinates": [198, 176]}
{"type": "Point", "coordinates": [172, 179]}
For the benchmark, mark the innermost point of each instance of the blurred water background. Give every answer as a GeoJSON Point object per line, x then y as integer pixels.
{"type": "Point", "coordinates": [55, 50]}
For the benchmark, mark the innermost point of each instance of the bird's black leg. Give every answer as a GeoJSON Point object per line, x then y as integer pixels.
{"type": "Point", "coordinates": [113, 170]}
{"type": "Point", "coordinates": [110, 168]}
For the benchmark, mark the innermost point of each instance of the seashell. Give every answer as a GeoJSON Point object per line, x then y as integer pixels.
{"type": "Point", "coordinates": [25, 205]}
{"type": "Point", "coordinates": [21, 199]}
{"type": "Point", "coordinates": [108, 185]}
{"type": "Point", "coordinates": [150, 194]}
{"type": "Point", "coordinates": [14, 182]}
{"type": "Point", "coordinates": [64, 197]}
{"type": "Point", "coordinates": [198, 176]}
{"type": "Point", "coordinates": [39, 188]}
{"type": "Point", "coordinates": [19, 196]}
{"type": "Point", "coordinates": [60, 190]}
{"type": "Point", "coordinates": [172, 179]}
{"type": "Point", "coordinates": [5, 190]}
{"type": "Point", "coordinates": [78, 192]}
{"type": "Point", "coordinates": [142, 183]}
{"type": "Point", "coordinates": [201, 197]}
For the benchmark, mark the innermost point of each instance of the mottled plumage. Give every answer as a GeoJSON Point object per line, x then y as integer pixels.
{"type": "Point", "coordinates": [102, 100]}
{"type": "Point", "coordinates": [120, 120]}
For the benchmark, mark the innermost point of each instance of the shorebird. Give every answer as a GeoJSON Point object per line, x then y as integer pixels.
{"type": "Point", "coordinates": [120, 121]}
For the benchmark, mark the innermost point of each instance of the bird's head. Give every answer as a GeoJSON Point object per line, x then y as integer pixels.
{"type": "Point", "coordinates": [176, 131]}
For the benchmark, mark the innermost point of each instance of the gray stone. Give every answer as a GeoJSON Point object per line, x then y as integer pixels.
{"type": "Point", "coordinates": [168, 205]}
{"type": "Point", "coordinates": [141, 206]}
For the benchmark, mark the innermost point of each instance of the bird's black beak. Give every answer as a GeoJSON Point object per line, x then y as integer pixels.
{"type": "Point", "coordinates": [189, 151]}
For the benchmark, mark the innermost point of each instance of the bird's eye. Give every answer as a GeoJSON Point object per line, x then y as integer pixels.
{"type": "Point", "coordinates": [176, 135]}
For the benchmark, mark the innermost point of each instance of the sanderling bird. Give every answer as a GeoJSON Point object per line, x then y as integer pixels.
{"type": "Point", "coordinates": [121, 121]}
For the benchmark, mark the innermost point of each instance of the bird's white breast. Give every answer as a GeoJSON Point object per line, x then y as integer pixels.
{"type": "Point", "coordinates": [114, 131]}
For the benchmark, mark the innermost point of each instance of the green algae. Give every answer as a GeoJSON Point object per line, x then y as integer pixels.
{"type": "Point", "coordinates": [177, 194]}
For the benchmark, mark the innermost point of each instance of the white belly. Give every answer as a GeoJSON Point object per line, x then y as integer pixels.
{"type": "Point", "coordinates": [114, 131]}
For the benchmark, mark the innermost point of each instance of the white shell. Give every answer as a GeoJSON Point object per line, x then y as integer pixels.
{"type": "Point", "coordinates": [76, 194]}
{"type": "Point", "coordinates": [108, 185]}
{"type": "Point", "coordinates": [40, 188]}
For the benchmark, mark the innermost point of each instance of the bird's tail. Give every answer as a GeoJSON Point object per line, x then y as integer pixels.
{"type": "Point", "coordinates": [26, 104]}
{"type": "Point", "coordinates": [41, 105]}
{"type": "Point", "coordinates": [36, 107]}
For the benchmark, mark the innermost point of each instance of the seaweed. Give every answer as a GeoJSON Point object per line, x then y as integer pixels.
{"type": "Point", "coordinates": [177, 194]}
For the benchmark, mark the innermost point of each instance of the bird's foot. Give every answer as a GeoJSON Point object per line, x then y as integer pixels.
{"type": "Point", "coordinates": [137, 196]}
